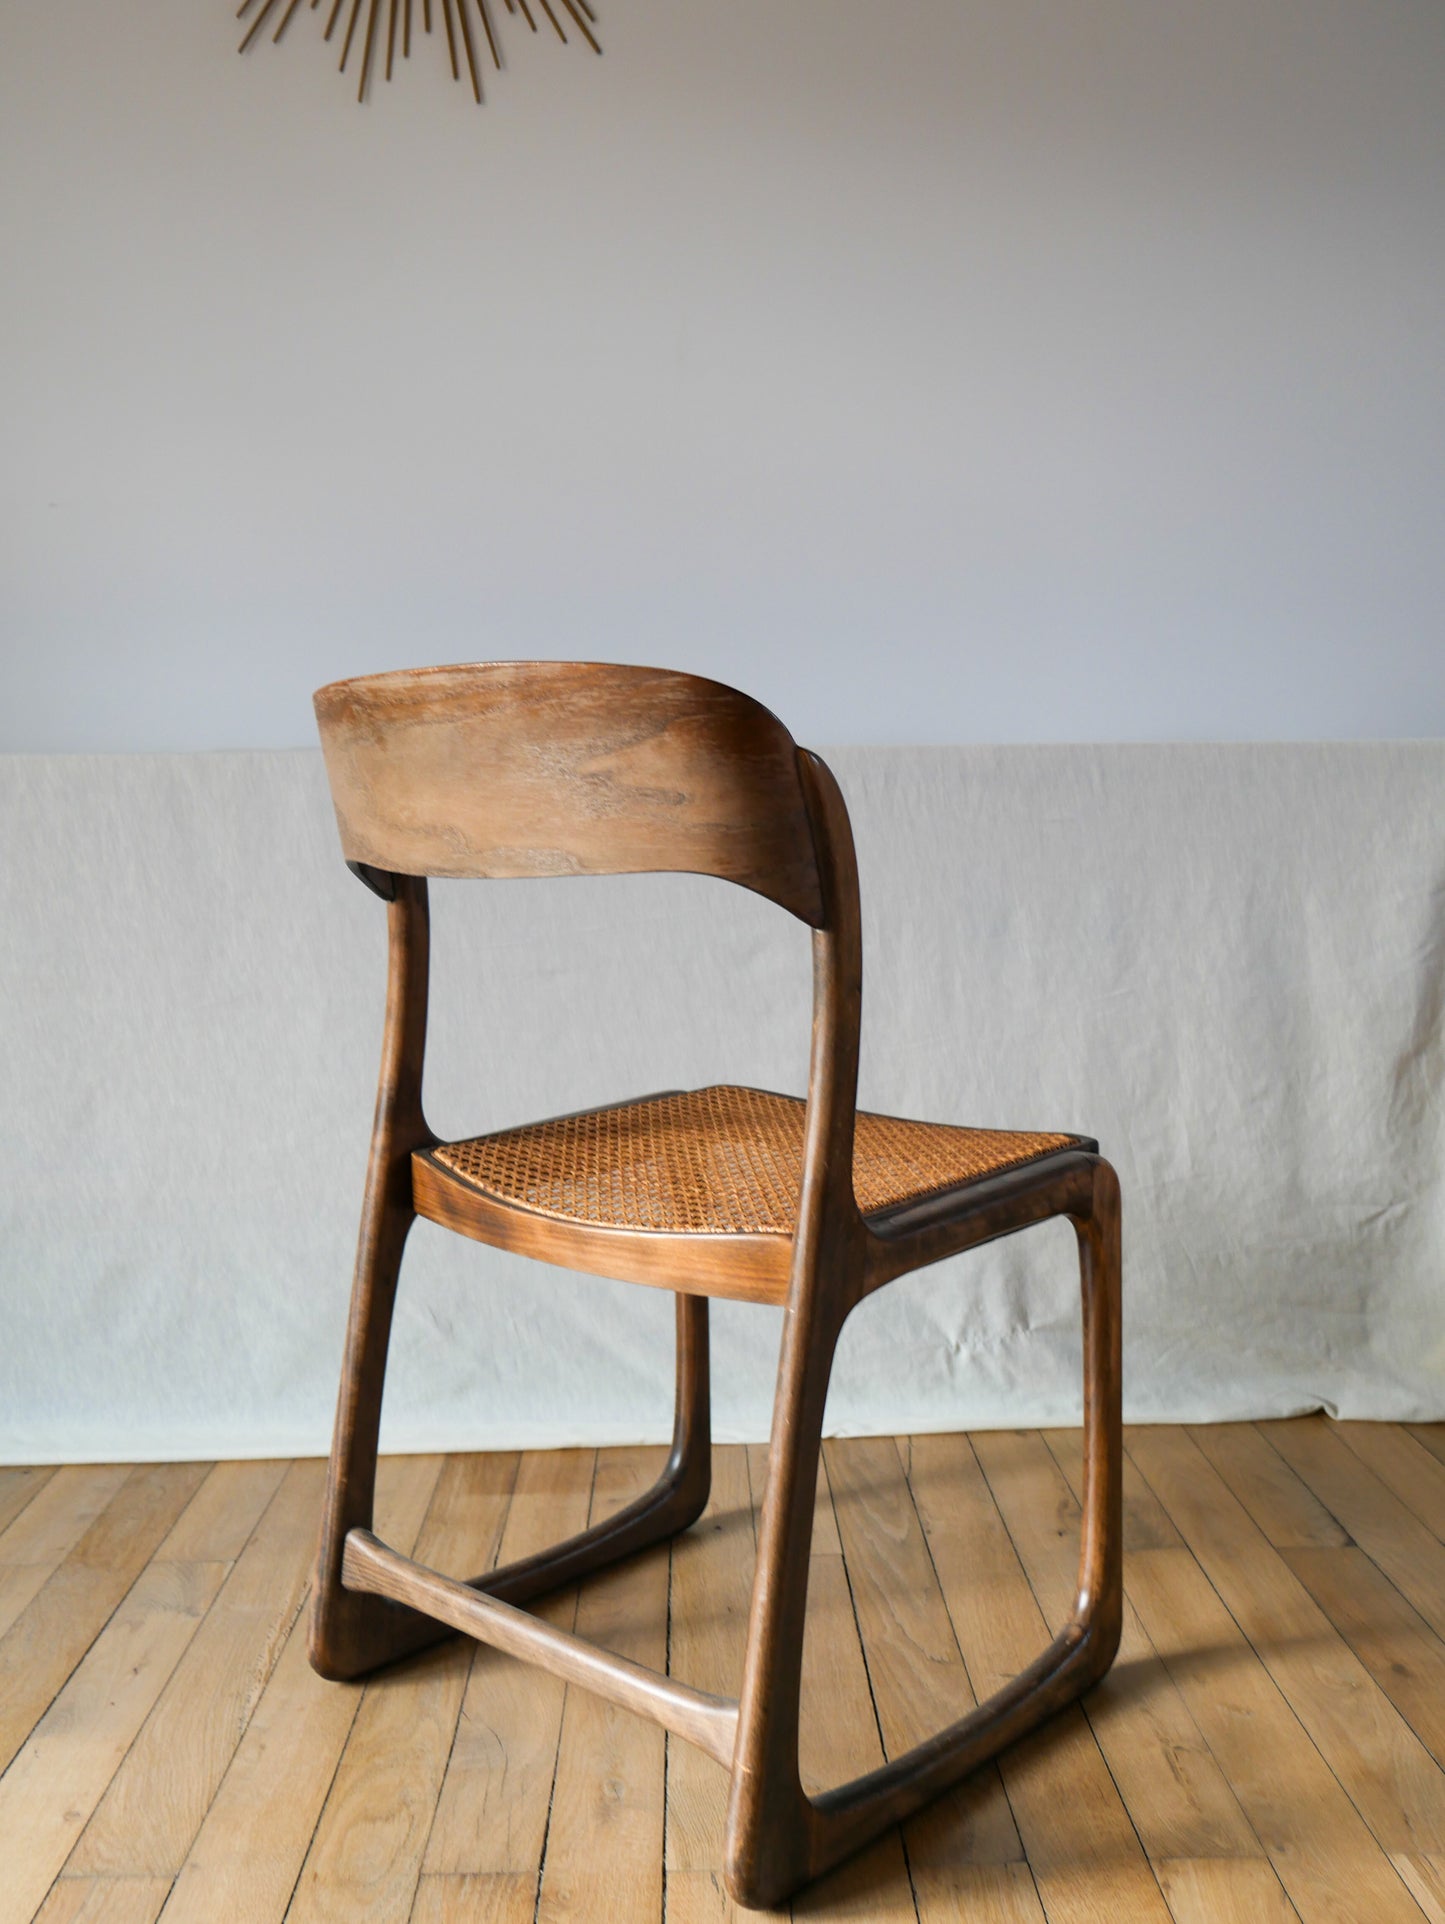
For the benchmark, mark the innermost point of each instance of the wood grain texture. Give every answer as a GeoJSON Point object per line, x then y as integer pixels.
{"type": "Point", "coordinates": [1408, 1552]}
{"type": "Point", "coordinates": [1431, 1436]}
{"type": "Point", "coordinates": [1424, 1878]}
{"type": "Point", "coordinates": [823, 1537]}
{"type": "Point", "coordinates": [59, 1512]}
{"type": "Point", "coordinates": [1286, 1510]}
{"type": "Point", "coordinates": [1146, 1523]}
{"type": "Point", "coordinates": [1224, 1890]}
{"type": "Point", "coordinates": [1082, 1848]}
{"type": "Point", "coordinates": [1177, 1796]}
{"type": "Point", "coordinates": [1404, 1466]}
{"type": "Point", "coordinates": [55, 1629]}
{"type": "Point", "coordinates": [605, 1842]}
{"type": "Point", "coordinates": [45, 1528]}
{"type": "Point", "coordinates": [375, 1570]}
{"type": "Point", "coordinates": [1388, 1773]}
{"type": "Point", "coordinates": [372, 1836]}
{"type": "Point", "coordinates": [1393, 1641]}
{"type": "Point", "coordinates": [915, 1548]}
{"type": "Point", "coordinates": [967, 1844]}
{"type": "Point", "coordinates": [1323, 1852]}
{"type": "Point", "coordinates": [104, 1900]}
{"type": "Point", "coordinates": [348, 1634]}
{"type": "Point", "coordinates": [18, 1487]}
{"type": "Point", "coordinates": [839, 1741]}
{"type": "Point", "coordinates": [500, 1897]}
{"type": "Point", "coordinates": [158, 1799]}
{"type": "Point", "coordinates": [62, 1770]}
{"type": "Point", "coordinates": [248, 1854]}
{"type": "Point", "coordinates": [710, 1585]}
{"type": "Point", "coordinates": [566, 768]}
{"type": "Point", "coordinates": [492, 1812]}
{"type": "Point", "coordinates": [218, 1522]}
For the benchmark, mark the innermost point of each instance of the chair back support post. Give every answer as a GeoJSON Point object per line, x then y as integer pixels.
{"type": "Point", "coordinates": [345, 1628]}
{"type": "Point", "coordinates": [829, 1267]}
{"type": "Point", "coordinates": [399, 1125]}
{"type": "Point", "coordinates": [1098, 1606]}
{"type": "Point", "coordinates": [827, 1177]}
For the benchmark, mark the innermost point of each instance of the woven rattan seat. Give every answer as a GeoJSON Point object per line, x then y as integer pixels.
{"type": "Point", "coordinates": [723, 1161]}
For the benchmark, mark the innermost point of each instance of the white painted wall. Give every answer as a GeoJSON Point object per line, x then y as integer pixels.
{"type": "Point", "coordinates": [945, 370]}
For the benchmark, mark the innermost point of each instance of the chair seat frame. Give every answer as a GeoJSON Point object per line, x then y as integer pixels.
{"type": "Point", "coordinates": [372, 1605]}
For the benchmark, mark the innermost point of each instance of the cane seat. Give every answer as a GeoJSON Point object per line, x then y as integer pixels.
{"type": "Point", "coordinates": [722, 1161]}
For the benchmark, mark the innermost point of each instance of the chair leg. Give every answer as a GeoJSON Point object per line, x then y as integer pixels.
{"type": "Point", "coordinates": [779, 1838]}
{"type": "Point", "coordinates": [677, 1499]}
{"type": "Point", "coordinates": [770, 1845]}
{"type": "Point", "coordinates": [352, 1632]}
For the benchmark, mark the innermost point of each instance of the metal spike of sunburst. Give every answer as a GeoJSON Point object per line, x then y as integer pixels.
{"type": "Point", "coordinates": [462, 42]}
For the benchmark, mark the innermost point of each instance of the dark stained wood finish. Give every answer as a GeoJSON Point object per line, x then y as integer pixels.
{"type": "Point", "coordinates": [753, 1269]}
{"type": "Point", "coordinates": [550, 768]}
{"type": "Point", "coordinates": [566, 768]}
{"type": "Point", "coordinates": [707, 1721]}
{"type": "Point", "coordinates": [351, 1633]}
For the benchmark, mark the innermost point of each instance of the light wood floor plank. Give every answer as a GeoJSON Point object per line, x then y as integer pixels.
{"type": "Point", "coordinates": [1147, 1524]}
{"type": "Point", "coordinates": [502, 1897]}
{"type": "Point", "coordinates": [711, 1587]}
{"type": "Point", "coordinates": [243, 1865]}
{"type": "Point", "coordinates": [46, 1529]}
{"type": "Point", "coordinates": [58, 1777]}
{"type": "Point", "coordinates": [978, 1894]}
{"type": "Point", "coordinates": [149, 1817]}
{"type": "Point", "coordinates": [1410, 1555]}
{"type": "Point", "coordinates": [1432, 1435]}
{"type": "Point", "coordinates": [1264, 1706]}
{"type": "Point", "coordinates": [700, 1897]}
{"type": "Point", "coordinates": [605, 1839]}
{"type": "Point", "coordinates": [18, 1487]}
{"type": "Point", "coordinates": [1392, 1779]}
{"type": "Point", "coordinates": [711, 1590]}
{"type": "Point", "coordinates": [1224, 1890]}
{"type": "Point", "coordinates": [105, 1900]}
{"type": "Point", "coordinates": [1403, 1465]}
{"type": "Point", "coordinates": [1286, 1510]}
{"type": "Point", "coordinates": [1424, 1878]}
{"type": "Point", "coordinates": [217, 1523]}
{"type": "Point", "coordinates": [58, 1514]}
{"type": "Point", "coordinates": [1395, 1644]}
{"type": "Point", "coordinates": [492, 1813]}
{"type": "Point", "coordinates": [918, 1677]}
{"type": "Point", "coordinates": [56, 1628]}
{"type": "Point", "coordinates": [839, 1738]}
{"type": "Point", "coordinates": [1325, 1855]}
{"type": "Point", "coordinates": [1177, 1796]}
{"type": "Point", "coordinates": [1084, 1853]}
{"type": "Point", "coordinates": [366, 1856]}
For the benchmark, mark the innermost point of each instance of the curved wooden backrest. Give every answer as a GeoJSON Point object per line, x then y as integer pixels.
{"type": "Point", "coordinates": [567, 768]}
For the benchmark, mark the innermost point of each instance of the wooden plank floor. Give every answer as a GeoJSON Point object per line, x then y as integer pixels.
{"type": "Point", "coordinates": [1269, 1745]}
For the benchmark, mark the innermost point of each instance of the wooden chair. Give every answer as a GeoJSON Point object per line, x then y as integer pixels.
{"type": "Point", "coordinates": [552, 768]}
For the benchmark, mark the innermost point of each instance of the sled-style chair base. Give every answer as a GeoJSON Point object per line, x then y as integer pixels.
{"type": "Point", "coordinates": [501, 769]}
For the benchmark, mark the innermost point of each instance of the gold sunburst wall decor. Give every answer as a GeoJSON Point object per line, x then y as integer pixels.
{"type": "Point", "coordinates": [386, 34]}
